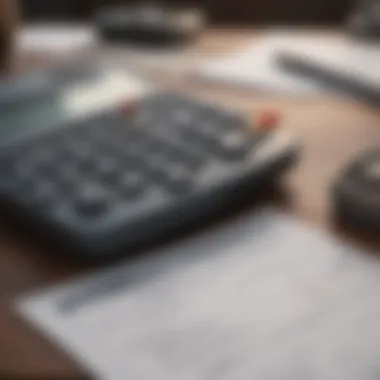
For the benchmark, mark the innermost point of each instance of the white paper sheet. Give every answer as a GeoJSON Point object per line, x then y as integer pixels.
{"type": "Point", "coordinates": [255, 66]}
{"type": "Point", "coordinates": [358, 60]}
{"type": "Point", "coordinates": [263, 297]}
{"type": "Point", "coordinates": [56, 38]}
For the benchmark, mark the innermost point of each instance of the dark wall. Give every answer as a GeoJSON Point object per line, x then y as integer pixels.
{"type": "Point", "coordinates": [282, 11]}
{"type": "Point", "coordinates": [246, 11]}
{"type": "Point", "coordinates": [53, 9]}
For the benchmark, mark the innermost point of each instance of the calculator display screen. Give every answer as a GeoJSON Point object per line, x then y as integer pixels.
{"type": "Point", "coordinates": [20, 120]}
{"type": "Point", "coordinates": [73, 103]}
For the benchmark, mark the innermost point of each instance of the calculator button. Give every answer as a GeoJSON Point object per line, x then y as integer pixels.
{"type": "Point", "coordinates": [40, 194]}
{"type": "Point", "coordinates": [117, 129]}
{"type": "Point", "coordinates": [182, 117]}
{"type": "Point", "coordinates": [190, 135]}
{"type": "Point", "coordinates": [132, 184]}
{"type": "Point", "coordinates": [135, 152]}
{"type": "Point", "coordinates": [184, 156]}
{"type": "Point", "coordinates": [5, 163]}
{"type": "Point", "coordinates": [234, 141]}
{"type": "Point", "coordinates": [98, 132]}
{"type": "Point", "coordinates": [177, 179]}
{"type": "Point", "coordinates": [112, 145]}
{"type": "Point", "coordinates": [157, 161]}
{"type": "Point", "coordinates": [144, 117]}
{"type": "Point", "coordinates": [236, 144]}
{"type": "Point", "coordinates": [131, 159]}
{"type": "Point", "coordinates": [268, 120]}
{"type": "Point", "coordinates": [91, 201]}
{"type": "Point", "coordinates": [8, 184]}
{"type": "Point", "coordinates": [230, 120]}
{"type": "Point", "coordinates": [23, 170]}
{"type": "Point", "coordinates": [209, 129]}
{"type": "Point", "coordinates": [45, 169]}
{"type": "Point", "coordinates": [107, 168]}
{"type": "Point", "coordinates": [45, 191]}
{"type": "Point", "coordinates": [78, 150]}
{"type": "Point", "coordinates": [43, 153]}
{"type": "Point", "coordinates": [66, 177]}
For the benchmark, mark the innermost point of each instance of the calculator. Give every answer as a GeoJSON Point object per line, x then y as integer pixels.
{"type": "Point", "coordinates": [101, 169]}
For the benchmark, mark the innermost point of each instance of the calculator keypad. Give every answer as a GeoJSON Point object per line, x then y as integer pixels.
{"type": "Point", "coordinates": [91, 200]}
{"type": "Point", "coordinates": [99, 164]}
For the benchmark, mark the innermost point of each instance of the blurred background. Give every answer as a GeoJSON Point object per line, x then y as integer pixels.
{"type": "Point", "coordinates": [219, 11]}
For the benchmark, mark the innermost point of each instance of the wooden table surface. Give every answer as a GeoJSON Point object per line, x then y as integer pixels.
{"type": "Point", "coordinates": [331, 130]}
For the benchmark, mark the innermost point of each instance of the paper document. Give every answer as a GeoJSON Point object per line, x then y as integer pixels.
{"type": "Point", "coordinates": [57, 39]}
{"type": "Point", "coordinates": [262, 297]}
{"type": "Point", "coordinates": [355, 59]}
{"type": "Point", "coordinates": [255, 66]}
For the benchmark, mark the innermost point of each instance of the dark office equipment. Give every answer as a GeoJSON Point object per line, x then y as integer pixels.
{"type": "Point", "coordinates": [364, 21]}
{"type": "Point", "coordinates": [152, 26]}
{"type": "Point", "coordinates": [356, 195]}
{"type": "Point", "coordinates": [105, 181]}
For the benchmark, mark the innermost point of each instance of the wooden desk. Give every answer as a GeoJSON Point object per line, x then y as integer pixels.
{"type": "Point", "coordinates": [331, 131]}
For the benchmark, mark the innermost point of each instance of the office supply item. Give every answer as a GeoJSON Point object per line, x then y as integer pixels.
{"type": "Point", "coordinates": [148, 25]}
{"type": "Point", "coordinates": [57, 39]}
{"type": "Point", "coordinates": [255, 67]}
{"type": "Point", "coordinates": [364, 21]}
{"type": "Point", "coordinates": [356, 193]}
{"type": "Point", "coordinates": [101, 174]}
{"type": "Point", "coordinates": [264, 296]}
{"type": "Point", "coordinates": [349, 67]}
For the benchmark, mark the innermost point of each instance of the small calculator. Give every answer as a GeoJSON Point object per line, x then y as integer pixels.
{"type": "Point", "coordinates": [101, 175]}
